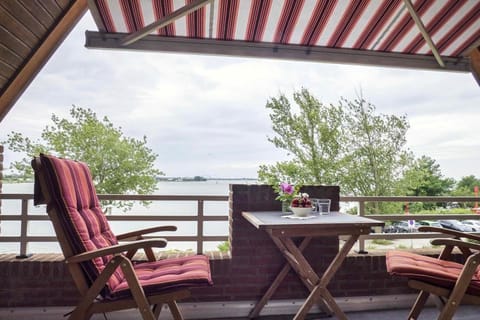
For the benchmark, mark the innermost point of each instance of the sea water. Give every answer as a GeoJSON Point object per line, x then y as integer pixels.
{"type": "Point", "coordinates": [161, 208]}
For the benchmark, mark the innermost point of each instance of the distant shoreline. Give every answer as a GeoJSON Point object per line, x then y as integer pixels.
{"type": "Point", "coordinates": [198, 178]}
{"type": "Point", "coordinates": [163, 179]}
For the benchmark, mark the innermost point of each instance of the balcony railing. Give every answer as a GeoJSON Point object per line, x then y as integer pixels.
{"type": "Point", "coordinates": [25, 216]}
{"type": "Point", "coordinates": [199, 218]}
{"type": "Point", "coordinates": [362, 200]}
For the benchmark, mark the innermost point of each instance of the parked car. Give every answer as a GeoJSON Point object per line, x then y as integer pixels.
{"type": "Point", "coordinates": [455, 225]}
{"type": "Point", "coordinates": [430, 223]}
{"type": "Point", "coordinates": [474, 224]}
{"type": "Point", "coordinates": [401, 227]}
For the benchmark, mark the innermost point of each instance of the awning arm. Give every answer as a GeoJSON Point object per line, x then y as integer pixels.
{"type": "Point", "coordinates": [183, 11]}
{"type": "Point", "coordinates": [423, 31]}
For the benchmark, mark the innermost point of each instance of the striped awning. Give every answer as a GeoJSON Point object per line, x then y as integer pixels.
{"type": "Point", "coordinates": [432, 34]}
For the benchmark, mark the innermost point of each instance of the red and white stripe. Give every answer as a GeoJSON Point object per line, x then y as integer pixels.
{"type": "Point", "coordinates": [382, 25]}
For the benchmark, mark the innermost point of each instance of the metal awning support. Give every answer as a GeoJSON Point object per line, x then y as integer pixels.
{"type": "Point", "coordinates": [274, 51]}
{"type": "Point", "coordinates": [183, 11]}
{"type": "Point", "coordinates": [424, 32]}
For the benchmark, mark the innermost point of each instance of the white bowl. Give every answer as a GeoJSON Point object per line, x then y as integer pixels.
{"type": "Point", "coordinates": [301, 211]}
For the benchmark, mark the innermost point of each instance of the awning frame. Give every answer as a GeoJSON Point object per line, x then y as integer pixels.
{"type": "Point", "coordinates": [274, 51]}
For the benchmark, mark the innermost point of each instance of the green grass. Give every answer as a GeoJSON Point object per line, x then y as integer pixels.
{"type": "Point", "coordinates": [382, 242]}
{"type": "Point", "coordinates": [224, 247]}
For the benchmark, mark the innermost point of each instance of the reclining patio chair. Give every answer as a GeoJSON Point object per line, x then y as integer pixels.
{"type": "Point", "coordinates": [453, 283]}
{"type": "Point", "coordinates": [104, 274]}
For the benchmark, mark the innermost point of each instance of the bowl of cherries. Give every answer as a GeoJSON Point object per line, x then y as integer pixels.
{"type": "Point", "coordinates": [301, 205]}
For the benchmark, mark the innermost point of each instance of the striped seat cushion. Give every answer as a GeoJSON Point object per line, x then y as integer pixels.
{"type": "Point", "coordinates": [427, 269]}
{"type": "Point", "coordinates": [168, 274]}
{"type": "Point", "coordinates": [73, 196]}
{"type": "Point", "coordinates": [75, 199]}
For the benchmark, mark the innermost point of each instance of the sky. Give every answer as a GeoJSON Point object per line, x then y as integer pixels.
{"type": "Point", "coordinates": [206, 115]}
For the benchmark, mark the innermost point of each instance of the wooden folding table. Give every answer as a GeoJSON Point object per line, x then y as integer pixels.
{"type": "Point", "coordinates": [282, 230]}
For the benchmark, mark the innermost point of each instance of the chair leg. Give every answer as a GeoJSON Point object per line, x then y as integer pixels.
{"type": "Point", "coordinates": [460, 288]}
{"type": "Point", "coordinates": [172, 305]}
{"type": "Point", "coordinates": [79, 316]}
{"type": "Point", "coordinates": [157, 308]}
{"type": "Point", "coordinates": [137, 291]}
{"type": "Point", "coordinates": [418, 306]}
{"type": "Point", "coordinates": [82, 311]}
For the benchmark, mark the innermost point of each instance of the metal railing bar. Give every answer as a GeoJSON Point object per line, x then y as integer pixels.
{"type": "Point", "coordinates": [408, 198]}
{"type": "Point", "coordinates": [164, 218]}
{"type": "Point", "coordinates": [413, 235]}
{"type": "Point", "coordinates": [30, 217]}
{"type": "Point", "coordinates": [28, 239]}
{"type": "Point", "coordinates": [440, 216]}
{"type": "Point", "coordinates": [45, 217]}
{"type": "Point", "coordinates": [200, 226]}
{"type": "Point", "coordinates": [161, 197]}
{"type": "Point", "coordinates": [53, 238]}
{"type": "Point", "coordinates": [16, 196]}
{"type": "Point", "coordinates": [23, 228]}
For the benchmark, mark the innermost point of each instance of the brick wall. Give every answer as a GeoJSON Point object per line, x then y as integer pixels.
{"type": "Point", "coordinates": [255, 259]}
{"type": "Point", "coordinates": [1, 177]}
{"type": "Point", "coordinates": [43, 280]}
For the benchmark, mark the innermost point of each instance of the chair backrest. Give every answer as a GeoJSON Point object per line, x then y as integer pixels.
{"type": "Point", "coordinates": [66, 187]}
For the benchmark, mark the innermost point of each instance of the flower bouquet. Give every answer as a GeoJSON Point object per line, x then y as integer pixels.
{"type": "Point", "coordinates": [286, 194]}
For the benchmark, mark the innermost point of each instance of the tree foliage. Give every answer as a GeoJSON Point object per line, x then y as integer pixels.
{"type": "Point", "coordinates": [348, 144]}
{"type": "Point", "coordinates": [313, 137]}
{"type": "Point", "coordinates": [119, 164]}
{"type": "Point", "coordinates": [466, 185]}
{"type": "Point", "coordinates": [424, 178]}
{"type": "Point", "coordinates": [377, 153]}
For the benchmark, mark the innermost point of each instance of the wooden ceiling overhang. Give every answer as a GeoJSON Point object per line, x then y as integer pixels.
{"type": "Point", "coordinates": [424, 34]}
{"type": "Point", "coordinates": [30, 32]}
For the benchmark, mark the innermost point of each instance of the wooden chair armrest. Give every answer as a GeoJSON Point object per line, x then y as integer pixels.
{"type": "Point", "coordinates": [117, 249]}
{"type": "Point", "coordinates": [456, 234]}
{"type": "Point", "coordinates": [456, 243]}
{"type": "Point", "coordinates": [135, 234]}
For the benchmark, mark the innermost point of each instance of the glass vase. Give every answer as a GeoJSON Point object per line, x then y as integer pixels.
{"type": "Point", "coordinates": [286, 207]}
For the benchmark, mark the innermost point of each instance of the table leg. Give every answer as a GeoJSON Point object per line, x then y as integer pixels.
{"type": "Point", "coordinates": [320, 291]}
{"type": "Point", "coordinates": [304, 271]}
{"type": "Point", "coordinates": [317, 285]}
{"type": "Point", "coordinates": [336, 263]}
{"type": "Point", "coordinates": [276, 283]}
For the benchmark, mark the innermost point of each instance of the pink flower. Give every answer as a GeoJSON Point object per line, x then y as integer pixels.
{"type": "Point", "coordinates": [286, 188]}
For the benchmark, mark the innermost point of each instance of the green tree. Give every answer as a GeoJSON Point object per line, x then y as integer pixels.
{"type": "Point", "coordinates": [377, 153]}
{"type": "Point", "coordinates": [466, 185]}
{"type": "Point", "coordinates": [349, 145]}
{"type": "Point", "coordinates": [118, 164]}
{"type": "Point", "coordinates": [313, 137]}
{"type": "Point", "coordinates": [425, 178]}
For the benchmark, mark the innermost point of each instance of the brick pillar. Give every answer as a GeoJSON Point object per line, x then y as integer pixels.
{"type": "Point", "coordinates": [255, 258]}
{"type": "Point", "coordinates": [1, 176]}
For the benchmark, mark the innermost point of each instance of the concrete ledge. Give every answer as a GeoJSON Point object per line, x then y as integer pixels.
{"type": "Point", "coordinates": [225, 310]}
